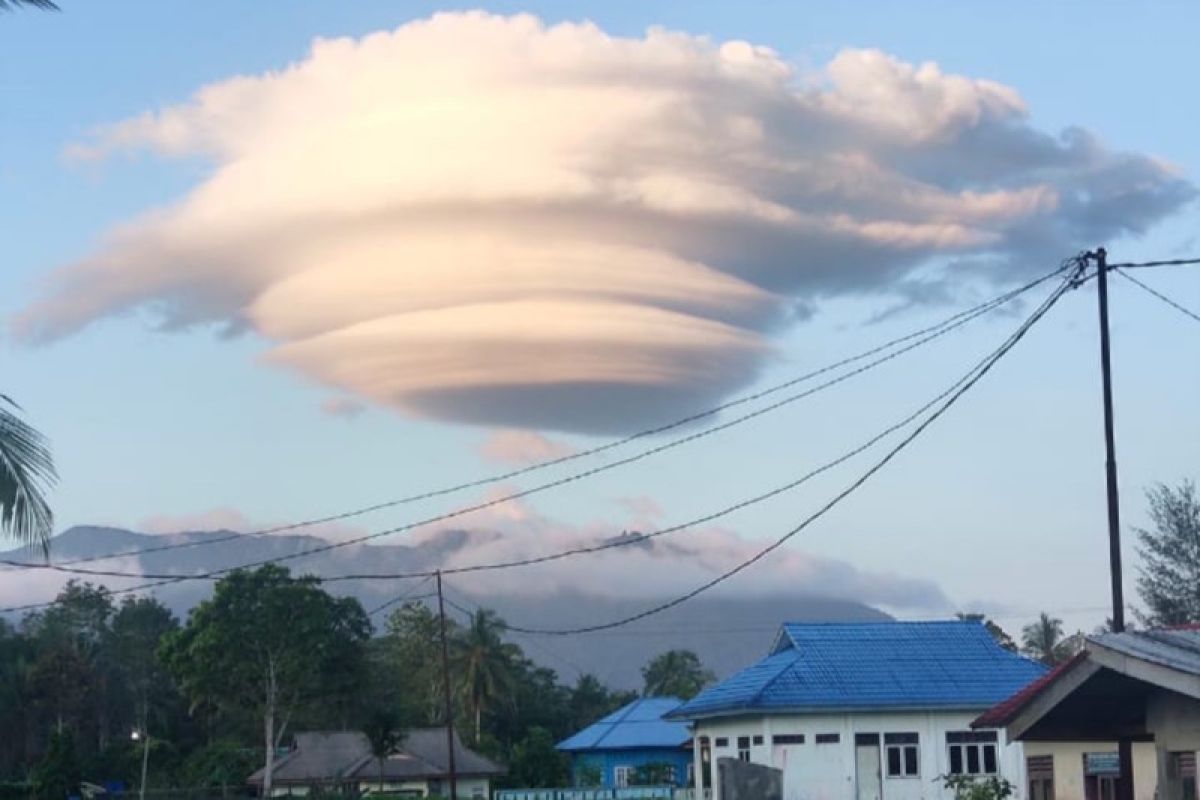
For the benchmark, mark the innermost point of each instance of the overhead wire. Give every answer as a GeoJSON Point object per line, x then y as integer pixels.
{"type": "Point", "coordinates": [1178, 262]}
{"type": "Point", "coordinates": [914, 339]}
{"type": "Point", "coordinates": [994, 359]}
{"type": "Point", "coordinates": [519, 494]}
{"type": "Point", "coordinates": [1155, 293]}
{"type": "Point", "coordinates": [410, 595]}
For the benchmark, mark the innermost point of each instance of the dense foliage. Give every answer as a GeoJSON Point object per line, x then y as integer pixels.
{"type": "Point", "coordinates": [80, 677]}
{"type": "Point", "coordinates": [1170, 551]}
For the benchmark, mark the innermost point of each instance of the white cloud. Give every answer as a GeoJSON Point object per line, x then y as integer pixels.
{"type": "Point", "coordinates": [489, 220]}
{"type": "Point", "coordinates": [656, 568]}
{"type": "Point", "coordinates": [225, 518]}
{"type": "Point", "coordinates": [522, 447]}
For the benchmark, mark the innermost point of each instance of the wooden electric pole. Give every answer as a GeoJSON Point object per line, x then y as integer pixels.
{"type": "Point", "coordinates": [446, 688]}
{"type": "Point", "coordinates": [1125, 745]}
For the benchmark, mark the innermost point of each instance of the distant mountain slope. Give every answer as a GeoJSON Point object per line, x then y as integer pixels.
{"type": "Point", "coordinates": [728, 631]}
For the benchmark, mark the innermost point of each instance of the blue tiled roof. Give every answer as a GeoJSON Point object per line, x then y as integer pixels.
{"type": "Point", "coordinates": [635, 726]}
{"type": "Point", "coordinates": [871, 665]}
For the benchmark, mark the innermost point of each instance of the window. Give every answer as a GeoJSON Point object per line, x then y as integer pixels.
{"type": "Point", "coordinates": [787, 738]}
{"type": "Point", "coordinates": [972, 752]}
{"type": "Point", "coordinates": [623, 776]}
{"type": "Point", "coordinates": [828, 738]}
{"type": "Point", "coordinates": [477, 793]}
{"type": "Point", "coordinates": [721, 741]}
{"type": "Point", "coordinates": [1040, 770]}
{"type": "Point", "coordinates": [903, 755]}
{"type": "Point", "coordinates": [743, 748]}
{"type": "Point", "coordinates": [758, 740]}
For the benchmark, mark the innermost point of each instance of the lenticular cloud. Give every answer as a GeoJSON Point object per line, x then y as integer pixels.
{"type": "Point", "coordinates": [488, 220]}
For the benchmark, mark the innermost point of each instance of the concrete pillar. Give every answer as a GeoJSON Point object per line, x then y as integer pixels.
{"type": "Point", "coordinates": [697, 764]}
{"type": "Point", "coordinates": [714, 770]}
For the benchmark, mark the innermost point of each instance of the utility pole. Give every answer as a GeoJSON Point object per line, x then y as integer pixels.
{"type": "Point", "coordinates": [1125, 745]}
{"type": "Point", "coordinates": [446, 689]}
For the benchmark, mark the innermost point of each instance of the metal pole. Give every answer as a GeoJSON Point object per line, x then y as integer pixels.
{"type": "Point", "coordinates": [145, 762]}
{"type": "Point", "coordinates": [446, 688]}
{"type": "Point", "coordinates": [1125, 745]}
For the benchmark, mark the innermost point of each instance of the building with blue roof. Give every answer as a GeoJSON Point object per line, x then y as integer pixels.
{"type": "Point", "coordinates": [864, 711]}
{"type": "Point", "coordinates": [632, 745]}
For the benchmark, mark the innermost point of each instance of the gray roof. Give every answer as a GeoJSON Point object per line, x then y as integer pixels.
{"type": "Point", "coordinates": [423, 754]}
{"type": "Point", "coordinates": [1178, 649]}
{"type": "Point", "coordinates": [334, 756]}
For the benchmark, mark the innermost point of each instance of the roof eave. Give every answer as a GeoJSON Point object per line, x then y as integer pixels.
{"type": "Point", "coordinates": [750, 711]}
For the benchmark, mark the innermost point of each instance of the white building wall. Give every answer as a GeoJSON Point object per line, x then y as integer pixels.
{"type": "Point", "coordinates": [814, 771]}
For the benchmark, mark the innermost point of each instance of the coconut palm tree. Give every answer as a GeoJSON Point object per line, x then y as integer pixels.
{"type": "Point", "coordinates": [26, 471]}
{"type": "Point", "coordinates": [1043, 640]}
{"type": "Point", "coordinates": [485, 664]}
{"type": "Point", "coordinates": [383, 731]}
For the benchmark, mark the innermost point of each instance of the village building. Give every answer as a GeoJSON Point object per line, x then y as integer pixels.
{"type": "Point", "coordinates": [864, 711]}
{"type": "Point", "coordinates": [341, 761]}
{"type": "Point", "coordinates": [632, 746]}
{"type": "Point", "coordinates": [1141, 686]}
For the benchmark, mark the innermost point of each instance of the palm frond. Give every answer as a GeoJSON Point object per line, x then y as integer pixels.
{"type": "Point", "coordinates": [26, 472]}
{"type": "Point", "coordinates": [45, 5]}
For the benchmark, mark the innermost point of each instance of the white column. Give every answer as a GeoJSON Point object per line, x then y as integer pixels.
{"type": "Point", "coordinates": [713, 771]}
{"type": "Point", "coordinates": [697, 763]}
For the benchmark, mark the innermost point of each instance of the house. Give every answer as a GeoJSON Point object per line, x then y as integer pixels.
{"type": "Point", "coordinates": [342, 761]}
{"type": "Point", "coordinates": [863, 711]}
{"type": "Point", "coordinates": [632, 746]}
{"type": "Point", "coordinates": [1142, 687]}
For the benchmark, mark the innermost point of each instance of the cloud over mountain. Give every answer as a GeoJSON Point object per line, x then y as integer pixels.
{"type": "Point", "coordinates": [493, 221]}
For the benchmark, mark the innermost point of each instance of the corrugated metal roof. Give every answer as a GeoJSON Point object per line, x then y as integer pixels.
{"type": "Point", "coordinates": [635, 726]}
{"type": "Point", "coordinates": [873, 665]}
{"type": "Point", "coordinates": [1177, 648]}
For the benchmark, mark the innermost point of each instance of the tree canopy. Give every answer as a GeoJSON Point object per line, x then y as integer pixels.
{"type": "Point", "coordinates": [1169, 582]}
{"type": "Point", "coordinates": [676, 673]}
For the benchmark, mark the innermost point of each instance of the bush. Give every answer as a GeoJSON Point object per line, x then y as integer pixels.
{"type": "Point", "coordinates": [966, 787]}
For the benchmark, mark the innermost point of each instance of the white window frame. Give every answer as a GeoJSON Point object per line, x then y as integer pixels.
{"type": "Point", "coordinates": [743, 753]}
{"type": "Point", "coordinates": [902, 749]}
{"type": "Point", "coordinates": [622, 775]}
{"type": "Point", "coordinates": [980, 744]}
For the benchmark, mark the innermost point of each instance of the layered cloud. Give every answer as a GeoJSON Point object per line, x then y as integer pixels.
{"type": "Point", "coordinates": [488, 220]}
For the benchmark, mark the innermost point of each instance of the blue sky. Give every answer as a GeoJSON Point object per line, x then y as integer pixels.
{"type": "Point", "coordinates": [1001, 505]}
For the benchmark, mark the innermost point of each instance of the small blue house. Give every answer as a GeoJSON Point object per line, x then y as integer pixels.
{"type": "Point", "coordinates": [633, 746]}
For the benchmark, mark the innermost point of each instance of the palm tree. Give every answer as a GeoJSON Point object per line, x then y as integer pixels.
{"type": "Point", "coordinates": [26, 471]}
{"type": "Point", "coordinates": [48, 5]}
{"type": "Point", "coordinates": [1043, 640]}
{"type": "Point", "coordinates": [384, 733]}
{"type": "Point", "coordinates": [485, 664]}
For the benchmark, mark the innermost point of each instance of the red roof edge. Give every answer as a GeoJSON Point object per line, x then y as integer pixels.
{"type": "Point", "coordinates": [1006, 711]}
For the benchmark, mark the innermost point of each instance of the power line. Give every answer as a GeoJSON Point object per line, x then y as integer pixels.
{"type": "Point", "coordinates": [1178, 262]}
{"type": "Point", "coordinates": [1181, 309]}
{"type": "Point", "coordinates": [329, 546]}
{"type": "Point", "coordinates": [916, 339]}
{"type": "Point", "coordinates": [610, 543]}
{"type": "Point", "coordinates": [410, 595]}
{"type": "Point", "coordinates": [994, 359]}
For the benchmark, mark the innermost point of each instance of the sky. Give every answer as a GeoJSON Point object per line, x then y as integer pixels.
{"type": "Point", "coordinates": [264, 264]}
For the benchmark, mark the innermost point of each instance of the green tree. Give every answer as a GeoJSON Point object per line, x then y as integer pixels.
{"type": "Point", "coordinates": [57, 775]}
{"type": "Point", "coordinates": [591, 701]}
{"type": "Point", "coordinates": [26, 473]}
{"type": "Point", "coordinates": [536, 764]}
{"type": "Point", "coordinates": [484, 665]}
{"type": "Point", "coordinates": [383, 731]}
{"type": "Point", "coordinates": [1170, 575]}
{"type": "Point", "coordinates": [406, 664]}
{"type": "Point", "coordinates": [267, 642]}
{"type": "Point", "coordinates": [223, 764]}
{"type": "Point", "coordinates": [675, 673]}
{"type": "Point", "coordinates": [1043, 640]}
{"type": "Point", "coordinates": [999, 634]}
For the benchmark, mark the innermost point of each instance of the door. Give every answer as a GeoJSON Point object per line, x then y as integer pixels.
{"type": "Point", "coordinates": [868, 774]}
